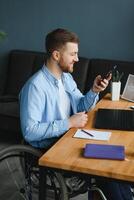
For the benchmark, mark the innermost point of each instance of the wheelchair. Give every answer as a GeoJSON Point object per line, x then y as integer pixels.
{"type": "Point", "coordinates": [19, 165]}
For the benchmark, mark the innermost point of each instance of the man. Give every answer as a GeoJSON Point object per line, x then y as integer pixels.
{"type": "Point", "coordinates": [50, 102]}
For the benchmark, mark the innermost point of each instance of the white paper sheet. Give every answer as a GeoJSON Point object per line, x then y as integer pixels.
{"type": "Point", "coordinates": [97, 135]}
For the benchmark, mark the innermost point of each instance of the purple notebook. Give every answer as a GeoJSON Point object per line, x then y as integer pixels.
{"type": "Point", "coordinates": [114, 152]}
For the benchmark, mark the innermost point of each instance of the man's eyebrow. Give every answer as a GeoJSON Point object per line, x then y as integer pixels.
{"type": "Point", "coordinates": [74, 52]}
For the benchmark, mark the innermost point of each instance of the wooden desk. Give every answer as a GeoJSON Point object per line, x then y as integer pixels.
{"type": "Point", "coordinates": [67, 153]}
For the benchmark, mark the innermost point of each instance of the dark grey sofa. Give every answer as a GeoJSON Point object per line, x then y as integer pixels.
{"type": "Point", "coordinates": [22, 64]}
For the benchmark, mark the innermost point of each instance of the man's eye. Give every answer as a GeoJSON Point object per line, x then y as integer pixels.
{"type": "Point", "coordinates": [73, 54]}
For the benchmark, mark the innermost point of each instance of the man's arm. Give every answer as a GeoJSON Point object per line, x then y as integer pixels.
{"type": "Point", "coordinates": [91, 98]}
{"type": "Point", "coordinates": [32, 109]}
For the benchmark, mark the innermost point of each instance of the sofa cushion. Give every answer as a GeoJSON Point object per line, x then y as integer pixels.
{"type": "Point", "coordinates": [81, 69]}
{"type": "Point", "coordinates": [19, 70]}
{"type": "Point", "coordinates": [22, 64]}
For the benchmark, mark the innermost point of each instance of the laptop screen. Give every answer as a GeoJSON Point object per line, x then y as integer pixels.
{"type": "Point", "coordinates": [115, 119]}
{"type": "Point", "coordinates": [128, 92]}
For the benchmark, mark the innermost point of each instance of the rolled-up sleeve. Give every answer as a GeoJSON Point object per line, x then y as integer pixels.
{"type": "Point", "coordinates": [88, 101]}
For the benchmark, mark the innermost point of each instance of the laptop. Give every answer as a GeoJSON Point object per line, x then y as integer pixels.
{"type": "Point", "coordinates": [128, 92]}
{"type": "Point", "coordinates": [115, 119]}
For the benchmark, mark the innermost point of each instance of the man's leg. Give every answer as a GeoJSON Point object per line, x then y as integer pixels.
{"type": "Point", "coordinates": [114, 190]}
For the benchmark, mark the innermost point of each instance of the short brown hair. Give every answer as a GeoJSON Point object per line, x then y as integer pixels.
{"type": "Point", "coordinates": [58, 38]}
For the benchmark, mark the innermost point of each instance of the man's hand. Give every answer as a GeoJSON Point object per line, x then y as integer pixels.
{"type": "Point", "coordinates": [78, 120]}
{"type": "Point", "coordinates": [100, 84]}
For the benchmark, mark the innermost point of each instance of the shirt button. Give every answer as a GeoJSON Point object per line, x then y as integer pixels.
{"type": "Point", "coordinates": [56, 83]}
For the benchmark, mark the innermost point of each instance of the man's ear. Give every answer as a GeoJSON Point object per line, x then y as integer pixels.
{"type": "Point", "coordinates": [56, 55]}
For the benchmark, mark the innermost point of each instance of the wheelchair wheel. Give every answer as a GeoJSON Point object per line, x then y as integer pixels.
{"type": "Point", "coordinates": [19, 168]}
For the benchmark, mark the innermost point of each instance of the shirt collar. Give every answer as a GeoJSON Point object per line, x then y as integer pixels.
{"type": "Point", "coordinates": [50, 76]}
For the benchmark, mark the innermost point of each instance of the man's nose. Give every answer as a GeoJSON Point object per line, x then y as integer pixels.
{"type": "Point", "coordinates": [76, 58]}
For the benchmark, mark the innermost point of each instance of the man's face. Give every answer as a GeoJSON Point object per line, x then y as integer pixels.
{"type": "Point", "coordinates": [68, 56]}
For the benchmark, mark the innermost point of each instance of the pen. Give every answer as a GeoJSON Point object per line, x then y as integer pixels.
{"type": "Point", "coordinates": [132, 107]}
{"type": "Point", "coordinates": [87, 133]}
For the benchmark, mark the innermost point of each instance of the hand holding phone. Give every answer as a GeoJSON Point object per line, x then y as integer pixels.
{"type": "Point", "coordinates": [108, 74]}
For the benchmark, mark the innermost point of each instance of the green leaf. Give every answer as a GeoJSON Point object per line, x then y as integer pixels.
{"type": "Point", "coordinates": [2, 35]}
{"type": "Point", "coordinates": [116, 75]}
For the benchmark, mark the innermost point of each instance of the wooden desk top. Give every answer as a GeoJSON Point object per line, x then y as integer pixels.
{"type": "Point", "coordinates": [67, 153]}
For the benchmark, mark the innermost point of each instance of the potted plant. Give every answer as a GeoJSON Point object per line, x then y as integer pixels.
{"type": "Point", "coordinates": [116, 84]}
{"type": "Point", "coordinates": [2, 35]}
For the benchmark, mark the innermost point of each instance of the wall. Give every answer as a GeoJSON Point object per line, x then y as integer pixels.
{"type": "Point", "coordinates": [105, 28]}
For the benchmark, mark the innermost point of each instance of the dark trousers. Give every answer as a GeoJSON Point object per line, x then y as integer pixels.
{"type": "Point", "coordinates": [115, 190]}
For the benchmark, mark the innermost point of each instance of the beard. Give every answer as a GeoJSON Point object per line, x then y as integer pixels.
{"type": "Point", "coordinates": [67, 68]}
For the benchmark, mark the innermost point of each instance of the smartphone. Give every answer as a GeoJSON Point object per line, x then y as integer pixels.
{"type": "Point", "coordinates": [106, 76]}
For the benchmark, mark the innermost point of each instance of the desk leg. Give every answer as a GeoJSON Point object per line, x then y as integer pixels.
{"type": "Point", "coordinates": [42, 183]}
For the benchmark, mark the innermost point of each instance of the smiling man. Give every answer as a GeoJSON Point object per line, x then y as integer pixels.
{"type": "Point", "coordinates": [50, 102]}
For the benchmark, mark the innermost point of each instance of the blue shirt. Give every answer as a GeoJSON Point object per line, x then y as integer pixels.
{"type": "Point", "coordinates": [41, 120]}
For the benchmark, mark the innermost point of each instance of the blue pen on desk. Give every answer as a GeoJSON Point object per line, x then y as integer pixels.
{"type": "Point", "coordinates": [87, 133]}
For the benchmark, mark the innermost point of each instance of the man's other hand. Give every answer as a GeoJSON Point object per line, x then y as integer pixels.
{"type": "Point", "coordinates": [78, 120]}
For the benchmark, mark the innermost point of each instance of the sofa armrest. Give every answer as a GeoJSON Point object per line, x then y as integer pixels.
{"type": "Point", "coordinates": [8, 98]}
